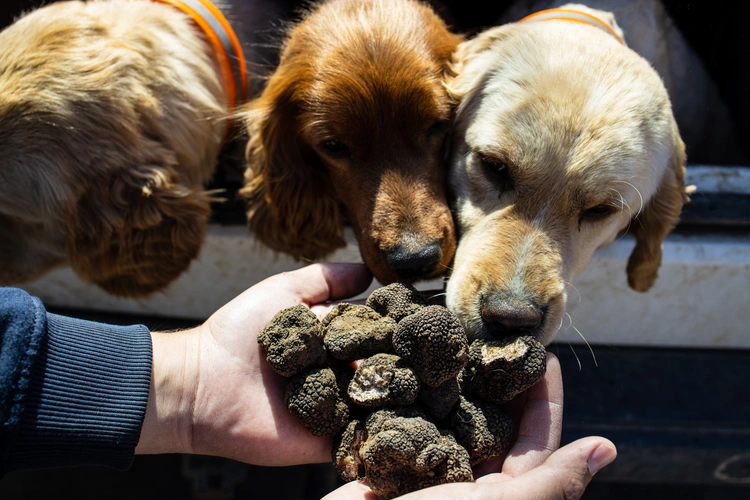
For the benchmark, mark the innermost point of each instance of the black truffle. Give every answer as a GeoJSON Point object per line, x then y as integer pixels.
{"type": "Point", "coordinates": [481, 427]}
{"type": "Point", "coordinates": [345, 453]}
{"type": "Point", "coordinates": [497, 371]}
{"type": "Point", "coordinates": [383, 380]}
{"type": "Point", "coordinates": [405, 421]}
{"type": "Point", "coordinates": [435, 344]}
{"type": "Point", "coordinates": [396, 300]}
{"type": "Point", "coordinates": [353, 332]}
{"type": "Point", "coordinates": [293, 341]}
{"type": "Point", "coordinates": [403, 454]}
{"type": "Point", "coordinates": [441, 399]}
{"type": "Point", "coordinates": [317, 397]}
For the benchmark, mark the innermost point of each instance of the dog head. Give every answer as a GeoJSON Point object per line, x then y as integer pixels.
{"type": "Point", "coordinates": [352, 124]}
{"type": "Point", "coordinates": [564, 138]}
{"type": "Point", "coordinates": [107, 143]}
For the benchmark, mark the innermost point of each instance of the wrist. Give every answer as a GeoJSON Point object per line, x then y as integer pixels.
{"type": "Point", "coordinates": [168, 426]}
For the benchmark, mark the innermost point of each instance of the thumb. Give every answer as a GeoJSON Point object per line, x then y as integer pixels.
{"type": "Point", "coordinates": [564, 475]}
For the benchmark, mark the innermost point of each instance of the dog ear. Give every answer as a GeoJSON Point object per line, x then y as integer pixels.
{"type": "Point", "coordinates": [291, 206]}
{"type": "Point", "coordinates": [467, 63]}
{"type": "Point", "coordinates": [139, 232]}
{"type": "Point", "coordinates": [660, 215]}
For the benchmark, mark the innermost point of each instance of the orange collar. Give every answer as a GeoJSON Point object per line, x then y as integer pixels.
{"type": "Point", "coordinates": [224, 41]}
{"type": "Point", "coordinates": [573, 16]}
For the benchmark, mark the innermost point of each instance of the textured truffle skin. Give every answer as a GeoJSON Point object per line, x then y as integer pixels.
{"type": "Point", "coordinates": [481, 427]}
{"type": "Point", "coordinates": [404, 454]}
{"type": "Point", "coordinates": [497, 371]}
{"type": "Point", "coordinates": [433, 341]}
{"type": "Point", "coordinates": [383, 380]}
{"type": "Point", "coordinates": [345, 452]}
{"type": "Point", "coordinates": [396, 300]}
{"type": "Point", "coordinates": [353, 331]}
{"type": "Point", "coordinates": [317, 397]}
{"type": "Point", "coordinates": [423, 407]}
{"type": "Point", "coordinates": [441, 399]}
{"type": "Point", "coordinates": [293, 341]}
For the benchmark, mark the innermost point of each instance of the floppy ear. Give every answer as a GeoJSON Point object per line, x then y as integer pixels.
{"type": "Point", "coordinates": [291, 206]}
{"type": "Point", "coordinates": [138, 232]}
{"type": "Point", "coordinates": [468, 65]}
{"type": "Point", "coordinates": [660, 215]}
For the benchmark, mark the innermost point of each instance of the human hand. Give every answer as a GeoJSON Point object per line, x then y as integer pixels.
{"type": "Point", "coordinates": [534, 468]}
{"type": "Point", "coordinates": [212, 391]}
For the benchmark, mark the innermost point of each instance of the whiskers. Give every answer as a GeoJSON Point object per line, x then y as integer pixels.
{"type": "Point", "coordinates": [571, 285]}
{"type": "Point", "coordinates": [591, 350]}
{"type": "Point", "coordinates": [624, 205]}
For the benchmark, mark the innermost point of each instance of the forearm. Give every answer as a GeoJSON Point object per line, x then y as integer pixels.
{"type": "Point", "coordinates": [167, 427]}
{"type": "Point", "coordinates": [86, 397]}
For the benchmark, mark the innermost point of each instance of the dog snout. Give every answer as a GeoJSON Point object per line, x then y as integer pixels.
{"type": "Point", "coordinates": [410, 262]}
{"type": "Point", "coordinates": [504, 316]}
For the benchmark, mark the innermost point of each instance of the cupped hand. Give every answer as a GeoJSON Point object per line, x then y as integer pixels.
{"type": "Point", "coordinates": [534, 468]}
{"type": "Point", "coordinates": [213, 392]}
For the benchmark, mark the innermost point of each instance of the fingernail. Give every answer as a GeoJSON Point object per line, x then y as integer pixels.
{"type": "Point", "coordinates": [602, 456]}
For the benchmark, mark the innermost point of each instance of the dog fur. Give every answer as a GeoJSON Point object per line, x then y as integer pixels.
{"type": "Point", "coordinates": [112, 116]}
{"type": "Point", "coordinates": [563, 139]}
{"type": "Point", "coordinates": [706, 126]}
{"type": "Point", "coordinates": [350, 128]}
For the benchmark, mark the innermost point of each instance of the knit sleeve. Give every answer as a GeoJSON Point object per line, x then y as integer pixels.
{"type": "Point", "coordinates": [86, 395]}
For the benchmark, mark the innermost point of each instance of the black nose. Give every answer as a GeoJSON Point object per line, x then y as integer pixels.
{"type": "Point", "coordinates": [503, 316]}
{"type": "Point", "coordinates": [410, 263]}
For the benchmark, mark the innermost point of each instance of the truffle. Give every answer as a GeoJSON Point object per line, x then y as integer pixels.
{"type": "Point", "coordinates": [353, 332]}
{"type": "Point", "coordinates": [481, 427]}
{"type": "Point", "coordinates": [345, 453]}
{"type": "Point", "coordinates": [441, 399]}
{"type": "Point", "coordinates": [293, 341]}
{"type": "Point", "coordinates": [404, 454]}
{"type": "Point", "coordinates": [317, 397]}
{"type": "Point", "coordinates": [383, 380]}
{"type": "Point", "coordinates": [396, 300]}
{"type": "Point", "coordinates": [423, 406]}
{"type": "Point", "coordinates": [497, 371]}
{"type": "Point", "coordinates": [434, 342]}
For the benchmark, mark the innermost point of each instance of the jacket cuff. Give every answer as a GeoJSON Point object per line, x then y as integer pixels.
{"type": "Point", "coordinates": [87, 396]}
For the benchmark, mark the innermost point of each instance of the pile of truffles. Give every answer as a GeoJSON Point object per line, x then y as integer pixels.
{"type": "Point", "coordinates": [422, 406]}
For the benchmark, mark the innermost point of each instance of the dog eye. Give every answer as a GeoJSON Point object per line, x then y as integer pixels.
{"type": "Point", "coordinates": [497, 171]}
{"type": "Point", "coordinates": [335, 147]}
{"type": "Point", "coordinates": [598, 212]}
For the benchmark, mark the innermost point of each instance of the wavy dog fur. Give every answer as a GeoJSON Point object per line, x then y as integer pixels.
{"type": "Point", "coordinates": [112, 116]}
{"type": "Point", "coordinates": [564, 137]}
{"type": "Point", "coordinates": [351, 124]}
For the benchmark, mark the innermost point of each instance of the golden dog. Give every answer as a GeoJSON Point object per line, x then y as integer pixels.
{"type": "Point", "coordinates": [564, 137]}
{"type": "Point", "coordinates": [112, 117]}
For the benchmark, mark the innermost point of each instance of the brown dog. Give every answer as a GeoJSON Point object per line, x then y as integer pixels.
{"type": "Point", "coordinates": [351, 124]}
{"type": "Point", "coordinates": [564, 137]}
{"type": "Point", "coordinates": [112, 117]}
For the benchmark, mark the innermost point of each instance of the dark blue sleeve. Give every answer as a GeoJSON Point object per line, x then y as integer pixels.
{"type": "Point", "coordinates": [72, 392]}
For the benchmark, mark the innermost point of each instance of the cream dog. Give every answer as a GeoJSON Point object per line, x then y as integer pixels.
{"type": "Point", "coordinates": [564, 137]}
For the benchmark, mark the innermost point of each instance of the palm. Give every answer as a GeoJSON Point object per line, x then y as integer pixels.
{"type": "Point", "coordinates": [239, 396]}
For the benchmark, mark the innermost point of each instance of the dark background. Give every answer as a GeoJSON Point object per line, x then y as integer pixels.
{"type": "Point", "coordinates": [679, 417]}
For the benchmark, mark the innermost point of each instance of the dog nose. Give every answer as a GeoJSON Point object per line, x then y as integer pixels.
{"type": "Point", "coordinates": [411, 264]}
{"type": "Point", "coordinates": [507, 316]}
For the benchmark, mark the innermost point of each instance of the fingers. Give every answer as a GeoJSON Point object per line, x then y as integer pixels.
{"type": "Point", "coordinates": [350, 491]}
{"type": "Point", "coordinates": [565, 474]}
{"type": "Point", "coordinates": [318, 283]}
{"type": "Point", "coordinates": [541, 424]}
{"type": "Point", "coordinates": [346, 280]}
